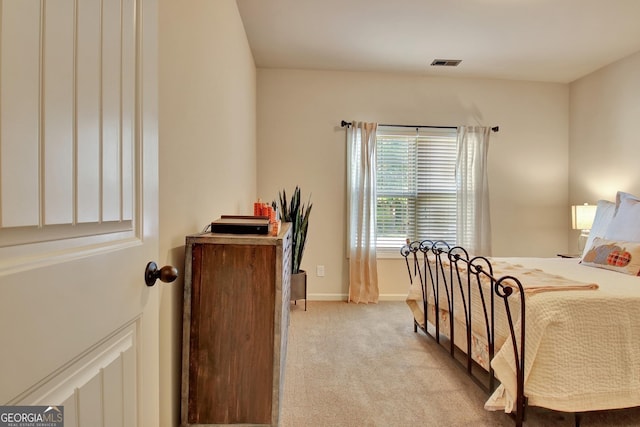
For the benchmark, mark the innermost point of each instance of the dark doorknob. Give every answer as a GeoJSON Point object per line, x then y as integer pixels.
{"type": "Point", "coordinates": [167, 274]}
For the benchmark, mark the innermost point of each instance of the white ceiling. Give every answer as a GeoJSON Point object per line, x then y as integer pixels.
{"type": "Point", "coordinates": [538, 40]}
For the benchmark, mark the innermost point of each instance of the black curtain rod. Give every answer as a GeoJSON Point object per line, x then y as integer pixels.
{"type": "Point", "coordinates": [347, 124]}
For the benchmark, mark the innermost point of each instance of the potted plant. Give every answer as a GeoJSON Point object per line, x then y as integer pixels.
{"type": "Point", "coordinates": [298, 215]}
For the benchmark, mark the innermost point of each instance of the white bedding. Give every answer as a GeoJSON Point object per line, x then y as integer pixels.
{"type": "Point", "coordinates": [583, 346]}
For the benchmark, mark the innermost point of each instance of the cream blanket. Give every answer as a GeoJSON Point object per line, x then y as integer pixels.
{"type": "Point", "coordinates": [583, 346]}
{"type": "Point", "coordinates": [533, 281]}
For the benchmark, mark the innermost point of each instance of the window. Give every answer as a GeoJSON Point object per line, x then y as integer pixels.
{"type": "Point", "coordinates": [416, 186]}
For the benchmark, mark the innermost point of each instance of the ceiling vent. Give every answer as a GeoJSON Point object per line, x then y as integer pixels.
{"type": "Point", "coordinates": [446, 62]}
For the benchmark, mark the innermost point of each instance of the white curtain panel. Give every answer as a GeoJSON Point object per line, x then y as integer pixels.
{"type": "Point", "coordinates": [474, 225]}
{"type": "Point", "coordinates": [363, 272]}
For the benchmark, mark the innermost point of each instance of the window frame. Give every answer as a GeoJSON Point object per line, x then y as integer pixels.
{"type": "Point", "coordinates": [423, 137]}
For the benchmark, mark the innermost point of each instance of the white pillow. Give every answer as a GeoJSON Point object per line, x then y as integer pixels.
{"type": "Point", "coordinates": [625, 225]}
{"type": "Point", "coordinates": [621, 195]}
{"type": "Point", "coordinates": [601, 221]}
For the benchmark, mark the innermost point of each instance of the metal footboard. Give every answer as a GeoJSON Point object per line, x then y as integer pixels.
{"type": "Point", "coordinates": [450, 273]}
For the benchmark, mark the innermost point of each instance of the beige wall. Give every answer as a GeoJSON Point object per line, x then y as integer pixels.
{"type": "Point", "coordinates": [300, 142]}
{"type": "Point", "coordinates": [604, 142]}
{"type": "Point", "coordinates": [207, 147]}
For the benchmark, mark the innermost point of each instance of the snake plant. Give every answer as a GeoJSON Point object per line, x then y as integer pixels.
{"type": "Point", "coordinates": [298, 215]}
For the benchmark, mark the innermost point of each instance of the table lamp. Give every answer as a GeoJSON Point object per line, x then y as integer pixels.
{"type": "Point", "coordinates": [582, 219]}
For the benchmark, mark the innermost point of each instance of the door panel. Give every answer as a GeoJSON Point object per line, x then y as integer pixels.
{"type": "Point", "coordinates": [58, 98]}
{"type": "Point", "coordinates": [19, 112]}
{"type": "Point", "coordinates": [98, 387]}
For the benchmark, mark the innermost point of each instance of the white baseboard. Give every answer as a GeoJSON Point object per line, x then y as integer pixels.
{"type": "Point", "coordinates": [393, 297]}
{"type": "Point", "coordinates": [345, 297]}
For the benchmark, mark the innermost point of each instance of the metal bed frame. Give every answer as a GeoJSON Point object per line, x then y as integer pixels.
{"type": "Point", "coordinates": [427, 261]}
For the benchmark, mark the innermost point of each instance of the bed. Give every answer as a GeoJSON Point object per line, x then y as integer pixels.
{"type": "Point", "coordinates": [572, 344]}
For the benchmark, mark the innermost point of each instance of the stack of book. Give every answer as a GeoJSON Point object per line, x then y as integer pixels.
{"type": "Point", "coordinates": [264, 221]}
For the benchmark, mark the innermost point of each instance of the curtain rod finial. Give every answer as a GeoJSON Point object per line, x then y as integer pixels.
{"type": "Point", "coordinates": [495, 128]}
{"type": "Point", "coordinates": [345, 123]}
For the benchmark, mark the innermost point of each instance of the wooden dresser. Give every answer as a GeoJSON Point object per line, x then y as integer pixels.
{"type": "Point", "coordinates": [236, 314]}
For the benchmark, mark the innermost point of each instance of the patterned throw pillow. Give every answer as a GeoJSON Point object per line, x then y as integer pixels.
{"type": "Point", "coordinates": [614, 255]}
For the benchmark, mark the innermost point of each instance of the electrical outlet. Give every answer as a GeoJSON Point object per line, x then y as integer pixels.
{"type": "Point", "coordinates": [320, 270]}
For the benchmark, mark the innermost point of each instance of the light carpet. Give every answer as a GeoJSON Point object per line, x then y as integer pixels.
{"type": "Point", "coordinates": [362, 365]}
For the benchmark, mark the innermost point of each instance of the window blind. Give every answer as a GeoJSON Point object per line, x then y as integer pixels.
{"type": "Point", "coordinates": [416, 188]}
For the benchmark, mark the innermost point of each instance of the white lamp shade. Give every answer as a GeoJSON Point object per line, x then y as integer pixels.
{"type": "Point", "coordinates": [582, 216]}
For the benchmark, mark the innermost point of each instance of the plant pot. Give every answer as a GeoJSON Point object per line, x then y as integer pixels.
{"type": "Point", "coordinates": [299, 287]}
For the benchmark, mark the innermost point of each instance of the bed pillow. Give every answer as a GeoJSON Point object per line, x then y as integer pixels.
{"type": "Point", "coordinates": [601, 221]}
{"type": "Point", "coordinates": [620, 256]}
{"type": "Point", "coordinates": [625, 224]}
{"type": "Point", "coordinates": [621, 195]}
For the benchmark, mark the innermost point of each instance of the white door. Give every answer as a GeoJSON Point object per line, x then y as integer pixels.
{"type": "Point", "coordinates": [79, 208]}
